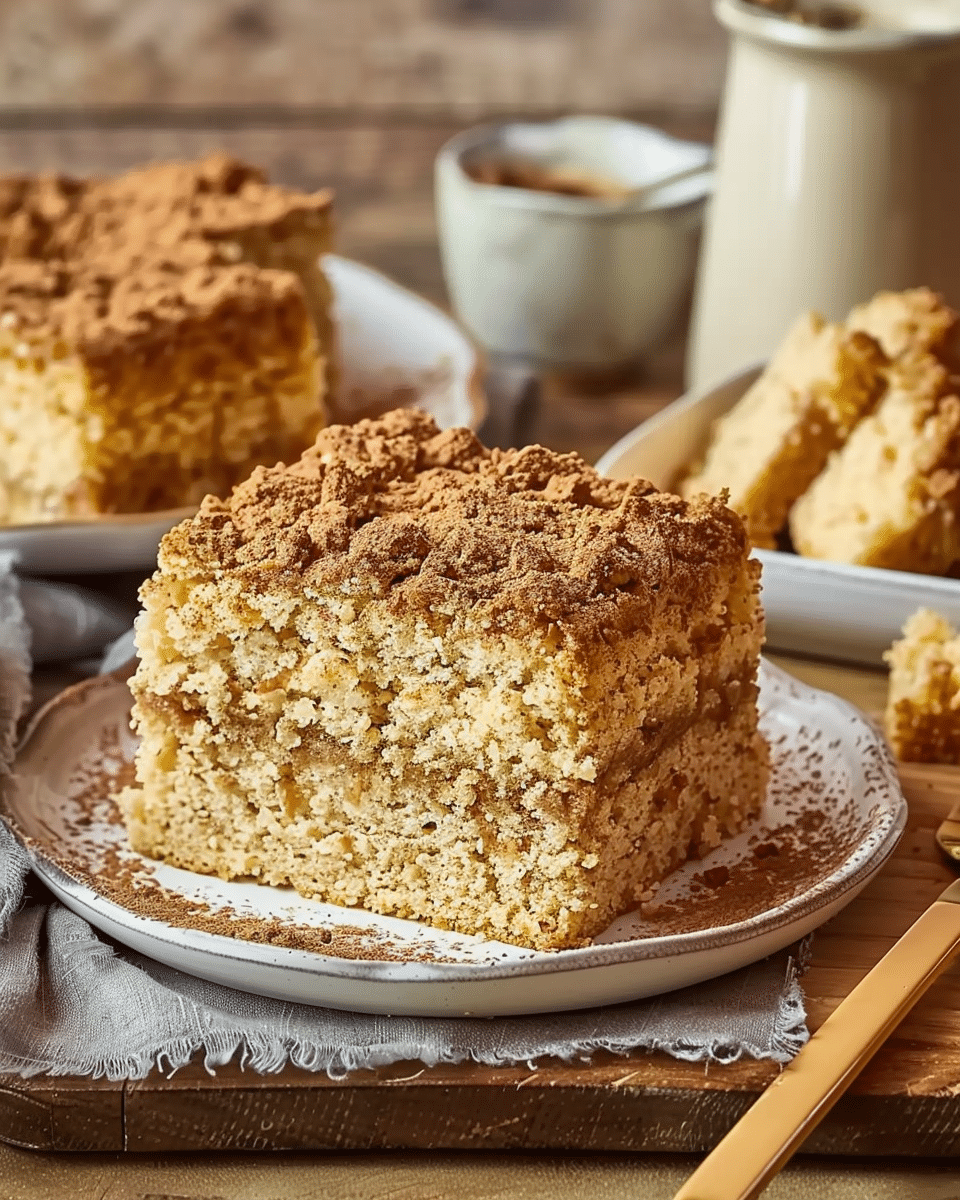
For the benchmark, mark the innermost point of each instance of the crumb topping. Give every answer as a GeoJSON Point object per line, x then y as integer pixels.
{"type": "Point", "coordinates": [100, 312]}
{"type": "Point", "coordinates": [92, 261]}
{"type": "Point", "coordinates": [395, 508]}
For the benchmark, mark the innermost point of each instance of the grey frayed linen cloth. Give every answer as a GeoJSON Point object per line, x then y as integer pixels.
{"type": "Point", "coordinates": [74, 1003]}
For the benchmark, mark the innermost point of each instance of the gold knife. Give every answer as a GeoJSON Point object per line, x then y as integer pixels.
{"type": "Point", "coordinates": [765, 1137]}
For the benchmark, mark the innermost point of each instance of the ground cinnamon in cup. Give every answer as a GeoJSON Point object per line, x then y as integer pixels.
{"type": "Point", "coordinates": [563, 181]}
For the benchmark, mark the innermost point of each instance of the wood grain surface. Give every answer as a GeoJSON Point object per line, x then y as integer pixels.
{"type": "Point", "coordinates": [25, 1175]}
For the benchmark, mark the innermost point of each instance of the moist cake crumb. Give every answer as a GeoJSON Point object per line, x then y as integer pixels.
{"type": "Point", "coordinates": [891, 497]}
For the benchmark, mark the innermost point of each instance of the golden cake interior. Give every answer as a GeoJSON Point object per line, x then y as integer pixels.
{"type": "Point", "coordinates": [489, 690]}
{"type": "Point", "coordinates": [892, 497]}
{"type": "Point", "coordinates": [160, 334]}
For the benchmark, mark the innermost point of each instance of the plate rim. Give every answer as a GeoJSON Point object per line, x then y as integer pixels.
{"type": "Point", "coordinates": [473, 382]}
{"type": "Point", "coordinates": [825, 891]}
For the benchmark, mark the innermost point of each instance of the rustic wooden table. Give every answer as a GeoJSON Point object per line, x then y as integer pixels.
{"type": "Point", "coordinates": [382, 174]}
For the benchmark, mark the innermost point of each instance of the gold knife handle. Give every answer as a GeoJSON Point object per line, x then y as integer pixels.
{"type": "Point", "coordinates": [764, 1138]}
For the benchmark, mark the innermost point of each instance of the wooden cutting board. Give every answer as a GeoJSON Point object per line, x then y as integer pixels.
{"type": "Point", "coordinates": [906, 1103]}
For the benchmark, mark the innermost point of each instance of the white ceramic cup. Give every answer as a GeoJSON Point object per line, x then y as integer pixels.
{"type": "Point", "coordinates": [561, 280]}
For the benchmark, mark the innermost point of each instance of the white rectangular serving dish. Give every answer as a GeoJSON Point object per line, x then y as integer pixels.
{"type": "Point", "coordinates": [826, 609]}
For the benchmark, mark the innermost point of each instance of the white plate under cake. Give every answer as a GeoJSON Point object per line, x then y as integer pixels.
{"type": "Point", "coordinates": [832, 816]}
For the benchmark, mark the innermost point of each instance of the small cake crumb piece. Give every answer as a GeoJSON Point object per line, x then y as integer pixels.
{"type": "Point", "coordinates": [922, 717]}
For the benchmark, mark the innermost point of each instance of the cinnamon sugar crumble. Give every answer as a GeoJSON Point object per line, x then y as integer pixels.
{"type": "Point", "coordinates": [102, 313]}
{"type": "Point", "coordinates": [395, 508]}
{"type": "Point", "coordinates": [120, 249]}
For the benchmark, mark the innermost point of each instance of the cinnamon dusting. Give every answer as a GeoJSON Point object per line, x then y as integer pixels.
{"type": "Point", "coordinates": [94, 262]}
{"type": "Point", "coordinates": [532, 176]}
{"type": "Point", "coordinates": [395, 507]}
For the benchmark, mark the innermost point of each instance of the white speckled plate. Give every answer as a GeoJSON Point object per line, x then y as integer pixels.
{"type": "Point", "coordinates": [396, 349]}
{"type": "Point", "coordinates": [833, 815]}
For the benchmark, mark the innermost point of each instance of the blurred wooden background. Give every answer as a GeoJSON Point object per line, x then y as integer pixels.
{"type": "Point", "coordinates": [467, 57]}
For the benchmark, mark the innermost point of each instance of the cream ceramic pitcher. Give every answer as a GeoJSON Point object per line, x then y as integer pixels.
{"type": "Point", "coordinates": [838, 173]}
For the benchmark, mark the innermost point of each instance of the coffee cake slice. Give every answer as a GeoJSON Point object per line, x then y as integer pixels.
{"type": "Point", "coordinates": [489, 690]}
{"type": "Point", "coordinates": [922, 716]}
{"type": "Point", "coordinates": [228, 206]}
{"type": "Point", "coordinates": [771, 445]}
{"type": "Point", "coordinates": [161, 333]}
{"type": "Point", "coordinates": [129, 393]}
{"type": "Point", "coordinates": [891, 497]}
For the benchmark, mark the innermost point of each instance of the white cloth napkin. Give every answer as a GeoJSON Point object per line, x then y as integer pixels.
{"type": "Point", "coordinates": [68, 623]}
{"type": "Point", "coordinates": [74, 1003]}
